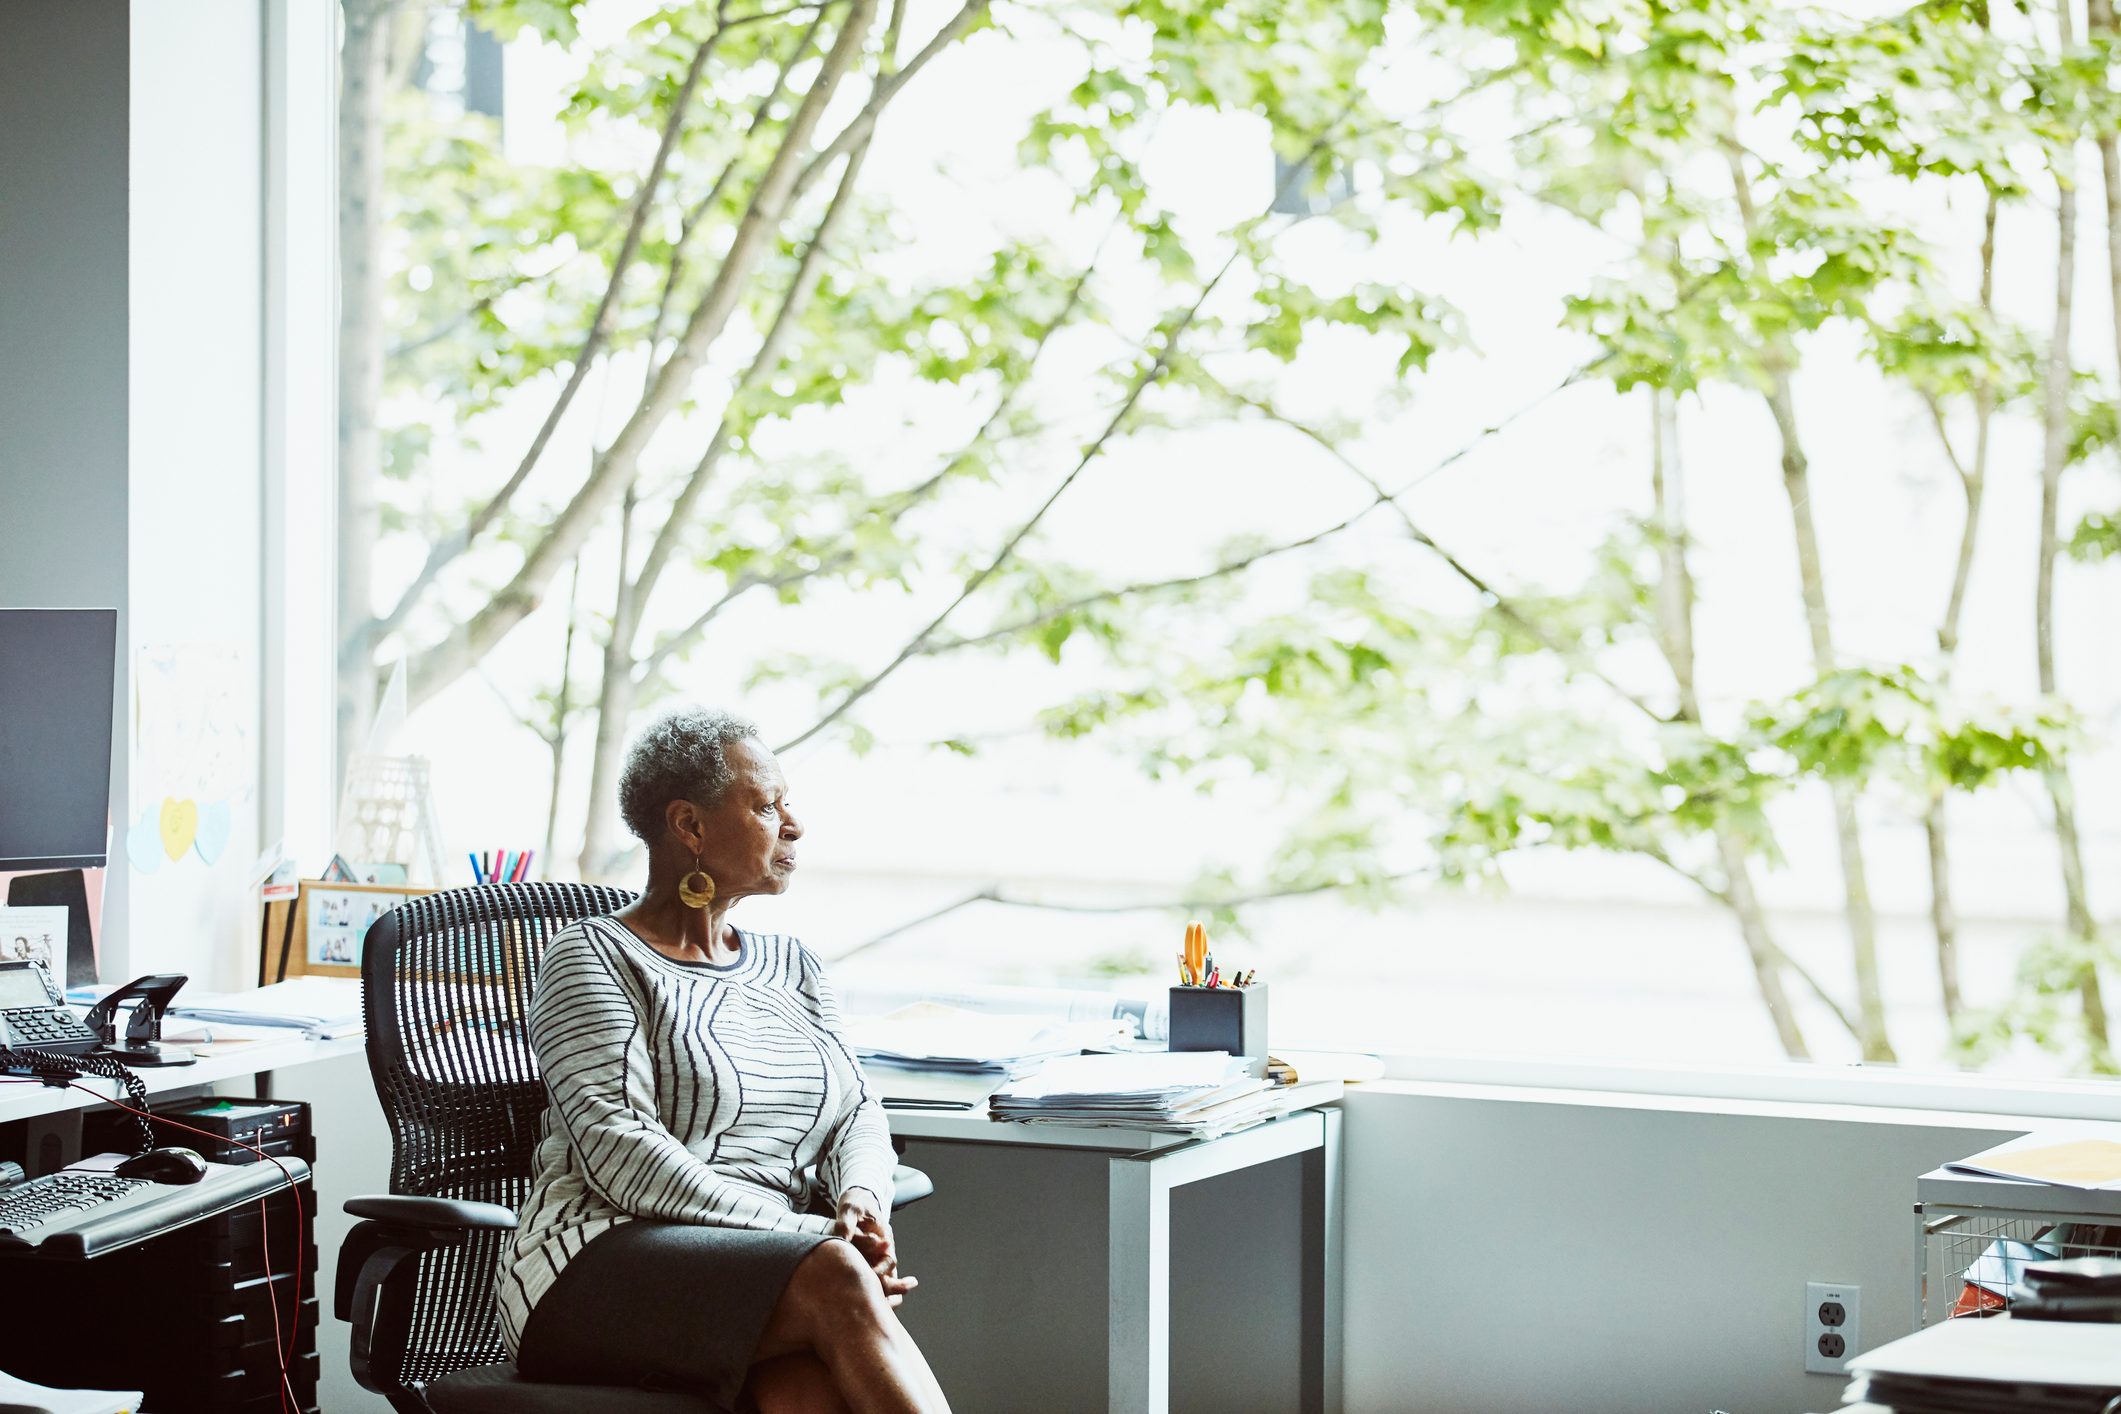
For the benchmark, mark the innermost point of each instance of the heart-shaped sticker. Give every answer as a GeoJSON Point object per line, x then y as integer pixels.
{"type": "Point", "coordinates": [143, 842]}
{"type": "Point", "coordinates": [214, 821]}
{"type": "Point", "coordinates": [180, 826]}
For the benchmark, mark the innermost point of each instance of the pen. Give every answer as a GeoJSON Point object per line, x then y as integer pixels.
{"type": "Point", "coordinates": [477, 875]}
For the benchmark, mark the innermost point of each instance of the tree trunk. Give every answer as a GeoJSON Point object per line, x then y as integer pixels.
{"type": "Point", "coordinates": [600, 834]}
{"type": "Point", "coordinates": [2099, 21]}
{"type": "Point", "coordinates": [1675, 624]}
{"type": "Point", "coordinates": [1796, 485]}
{"type": "Point", "coordinates": [1973, 480]}
{"type": "Point", "coordinates": [364, 68]}
{"type": "Point", "coordinates": [1855, 876]}
{"type": "Point", "coordinates": [2054, 459]}
{"type": "Point", "coordinates": [562, 704]}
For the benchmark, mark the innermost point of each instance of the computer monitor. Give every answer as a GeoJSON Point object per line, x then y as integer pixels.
{"type": "Point", "coordinates": [58, 682]}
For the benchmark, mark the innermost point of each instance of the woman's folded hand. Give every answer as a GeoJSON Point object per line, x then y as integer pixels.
{"type": "Point", "coordinates": [862, 1223]}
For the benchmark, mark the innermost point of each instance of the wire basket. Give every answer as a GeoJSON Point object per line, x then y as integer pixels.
{"type": "Point", "coordinates": [1973, 1258]}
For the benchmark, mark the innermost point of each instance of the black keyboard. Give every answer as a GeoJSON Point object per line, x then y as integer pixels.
{"type": "Point", "coordinates": [77, 1213]}
{"type": "Point", "coordinates": [37, 1201]}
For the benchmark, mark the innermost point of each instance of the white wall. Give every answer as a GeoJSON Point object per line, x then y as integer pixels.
{"type": "Point", "coordinates": [1519, 1249]}
{"type": "Point", "coordinates": [197, 261]}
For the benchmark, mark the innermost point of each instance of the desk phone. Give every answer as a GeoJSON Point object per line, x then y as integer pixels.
{"type": "Point", "coordinates": [33, 1013]}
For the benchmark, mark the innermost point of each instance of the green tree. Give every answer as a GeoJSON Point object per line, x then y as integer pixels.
{"type": "Point", "coordinates": [715, 266]}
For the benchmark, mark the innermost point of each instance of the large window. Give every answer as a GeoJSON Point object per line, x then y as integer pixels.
{"type": "Point", "coordinates": [1572, 531]}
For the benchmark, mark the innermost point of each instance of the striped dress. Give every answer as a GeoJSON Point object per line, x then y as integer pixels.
{"type": "Point", "coordinates": [687, 1092]}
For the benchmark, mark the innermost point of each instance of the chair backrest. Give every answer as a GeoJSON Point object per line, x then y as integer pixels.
{"type": "Point", "coordinates": [447, 981]}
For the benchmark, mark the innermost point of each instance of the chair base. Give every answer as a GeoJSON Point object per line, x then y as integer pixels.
{"type": "Point", "coordinates": [498, 1389]}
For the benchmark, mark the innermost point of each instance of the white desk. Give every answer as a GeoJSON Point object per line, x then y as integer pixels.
{"type": "Point", "coordinates": [1137, 1175]}
{"type": "Point", "coordinates": [27, 1099]}
{"type": "Point", "coordinates": [1142, 1171]}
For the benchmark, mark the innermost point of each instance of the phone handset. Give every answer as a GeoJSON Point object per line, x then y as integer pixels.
{"type": "Point", "coordinates": [150, 996]}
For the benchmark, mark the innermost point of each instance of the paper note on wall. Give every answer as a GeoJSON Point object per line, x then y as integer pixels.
{"type": "Point", "coordinates": [192, 762]}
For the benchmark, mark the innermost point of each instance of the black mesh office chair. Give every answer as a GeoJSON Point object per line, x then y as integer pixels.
{"type": "Point", "coordinates": [448, 980]}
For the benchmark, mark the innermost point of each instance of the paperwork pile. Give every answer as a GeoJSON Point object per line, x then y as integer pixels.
{"type": "Point", "coordinates": [23, 1397]}
{"type": "Point", "coordinates": [2003, 1362]}
{"type": "Point", "coordinates": [2039, 1158]}
{"type": "Point", "coordinates": [320, 1007]}
{"type": "Point", "coordinates": [933, 1056]}
{"type": "Point", "coordinates": [1203, 1093]}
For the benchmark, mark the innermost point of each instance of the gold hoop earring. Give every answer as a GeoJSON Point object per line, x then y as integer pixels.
{"type": "Point", "coordinates": [696, 890]}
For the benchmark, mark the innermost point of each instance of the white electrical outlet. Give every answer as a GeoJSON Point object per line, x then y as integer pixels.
{"type": "Point", "coordinates": [1832, 1326]}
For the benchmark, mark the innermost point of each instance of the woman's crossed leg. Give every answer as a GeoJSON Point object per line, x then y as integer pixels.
{"type": "Point", "coordinates": [834, 1344]}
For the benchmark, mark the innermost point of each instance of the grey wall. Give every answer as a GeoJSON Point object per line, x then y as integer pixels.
{"type": "Point", "coordinates": [64, 130]}
{"type": "Point", "coordinates": [1598, 1254]}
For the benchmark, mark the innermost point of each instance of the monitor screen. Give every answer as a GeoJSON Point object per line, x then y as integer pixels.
{"type": "Point", "coordinates": [58, 682]}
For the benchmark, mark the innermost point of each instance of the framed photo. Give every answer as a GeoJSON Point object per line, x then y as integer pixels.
{"type": "Point", "coordinates": [318, 933]}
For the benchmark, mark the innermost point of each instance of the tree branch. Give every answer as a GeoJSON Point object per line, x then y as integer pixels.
{"type": "Point", "coordinates": [1501, 602]}
{"type": "Point", "coordinates": [993, 894]}
{"type": "Point", "coordinates": [676, 266]}
{"type": "Point", "coordinates": [1148, 586]}
{"type": "Point", "coordinates": [1096, 448]}
{"type": "Point", "coordinates": [900, 503]}
{"type": "Point", "coordinates": [615, 469]}
{"type": "Point", "coordinates": [801, 286]}
{"type": "Point", "coordinates": [447, 549]}
{"type": "Point", "coordinates": [1826, 998]}
{"type": "Point", "coordinates": [886, 89]}
{"type": "Point", "coordinates": [809, 269]}
{"type": "Point", "coordinates": [1775, 951]}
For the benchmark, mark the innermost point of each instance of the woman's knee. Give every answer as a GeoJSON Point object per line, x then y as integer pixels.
{"type": "Point", "coordinates": [836, 1283]}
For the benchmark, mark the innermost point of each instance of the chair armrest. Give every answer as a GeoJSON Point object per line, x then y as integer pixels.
{"type": "Point", "coordinates": [908, 1185]}
{"type": "Point", "coordinates": [408, 1210]}
{"type": "Point", "coordinates": [372, 1293]}
{"type": "Point", "coordinates": [373, 1255]}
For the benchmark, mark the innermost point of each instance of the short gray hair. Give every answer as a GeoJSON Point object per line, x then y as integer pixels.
{"type": "Point", "coordinates": [680, 756]}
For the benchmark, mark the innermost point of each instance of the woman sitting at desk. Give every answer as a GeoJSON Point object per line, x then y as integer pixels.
{"type": "Point", "coordinates": [696, 1075]}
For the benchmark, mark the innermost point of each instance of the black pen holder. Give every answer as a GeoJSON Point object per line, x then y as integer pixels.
{"type": "Point", "coordinates": [1232, 1019]}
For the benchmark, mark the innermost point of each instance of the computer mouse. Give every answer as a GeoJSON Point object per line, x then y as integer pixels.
{"type": "Point", "coordinates": [164, 1166]}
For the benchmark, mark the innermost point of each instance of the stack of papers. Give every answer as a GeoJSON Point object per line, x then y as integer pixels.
{"type": "Point", "coordinates": [23, 1397]}
{"type": "Point", "coordinates": [319, 1007]}
{"type": "Point", "coordinates": [1998, 1363]}
{"type": "Point", "coordinates": [933, 1056]}
{"type": "Point", "coordinates": [2081, 1163]}
{"type": "Point", "coordinates": [1203, 1093]}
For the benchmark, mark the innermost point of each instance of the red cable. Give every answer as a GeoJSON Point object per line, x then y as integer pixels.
{"type": "Point", "coordinates": [283, 1354]}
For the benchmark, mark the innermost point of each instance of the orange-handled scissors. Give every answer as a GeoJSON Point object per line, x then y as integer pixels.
{"type": "Point", "coordinates": [1197, 952]}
